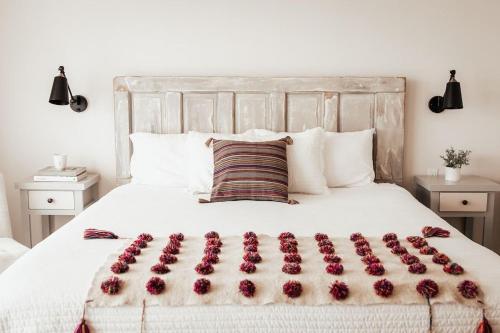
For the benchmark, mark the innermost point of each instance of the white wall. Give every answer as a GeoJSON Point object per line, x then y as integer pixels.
{"type": "Point", "coordinates": [97, 40]}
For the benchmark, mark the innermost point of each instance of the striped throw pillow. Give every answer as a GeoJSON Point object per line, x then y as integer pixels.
{"type": "Point", "coordinates": [250, 170]}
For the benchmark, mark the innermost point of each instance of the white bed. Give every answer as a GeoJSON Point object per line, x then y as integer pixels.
{"type": "Point", "coordinates": [45, 290]}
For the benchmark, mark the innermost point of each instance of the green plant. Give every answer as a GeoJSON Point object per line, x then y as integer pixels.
{"type": "Point", "coordinates": [455, 159]}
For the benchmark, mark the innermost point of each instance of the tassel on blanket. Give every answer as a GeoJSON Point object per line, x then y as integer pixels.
{"type": "Point", "coordinates": [429, 231]}
{"type": "Point", "coordinates": [98, 234]}
{"type": "Point", "coordinates": [82, 327]}
{"type": "Point", "coordinates": [142, 314]}
{"type": "Point", "coordinates": [483, 326]}
{"type": "Point", "coordinates": [430, 314]}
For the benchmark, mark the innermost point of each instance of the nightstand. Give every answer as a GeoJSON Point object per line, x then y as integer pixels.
{"type": "Point", "coordinates": [472, 198]}
{"type": "Point", "coordinates": [55, 198]}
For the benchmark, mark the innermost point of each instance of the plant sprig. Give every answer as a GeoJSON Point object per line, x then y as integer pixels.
{"type": "Point", "coordinates": [456, 159]}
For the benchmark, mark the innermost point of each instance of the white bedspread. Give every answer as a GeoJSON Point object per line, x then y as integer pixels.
{"type": "Point", "coordinates": [44, 291]}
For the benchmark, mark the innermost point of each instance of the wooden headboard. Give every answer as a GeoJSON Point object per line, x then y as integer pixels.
{"type": "Point", "coordinates": [236, 104]}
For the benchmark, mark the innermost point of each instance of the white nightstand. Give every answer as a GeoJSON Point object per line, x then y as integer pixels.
{"type": "Point", "coordinates": [471, 197]}
{"type": "Point", "coordinates": [56, 198]}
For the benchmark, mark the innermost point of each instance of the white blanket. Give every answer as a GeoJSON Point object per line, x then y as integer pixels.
{"type": "Point", "coordinates": [45, 290]}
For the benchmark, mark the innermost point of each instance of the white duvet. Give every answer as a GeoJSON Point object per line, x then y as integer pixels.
{"type": "Point", "coordinates": [45, 290]}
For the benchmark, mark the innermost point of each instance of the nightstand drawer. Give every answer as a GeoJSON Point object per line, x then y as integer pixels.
{"type": "Point", "coordinates": [463, 202]}
{"type": "Point", "coordinates": [51, 200]}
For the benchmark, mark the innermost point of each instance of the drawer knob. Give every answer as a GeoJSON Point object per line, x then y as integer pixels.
{"type": "Point", "coordinates": [465, 202]}
{"type": "Point", "coordinates": [50, 200]}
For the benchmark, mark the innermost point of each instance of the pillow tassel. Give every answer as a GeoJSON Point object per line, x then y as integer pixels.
{"type": "Point", "coordinates": [292, 202]}
{"type": "Point", "coordinates": [209, 142]}
{"type": "Point", "coordinates": [288, 140]}
{"type": "Point", "coordinates": [201, 200]}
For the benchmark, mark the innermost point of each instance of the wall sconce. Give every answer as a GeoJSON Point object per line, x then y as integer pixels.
{"type": "Point", "coordinates": [452, 98]}
{"type": "Point", "coordinates": [59, 93]}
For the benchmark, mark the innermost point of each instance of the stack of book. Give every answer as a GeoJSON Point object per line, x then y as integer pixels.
{"type": "Point", "coordinates": [69, 174]}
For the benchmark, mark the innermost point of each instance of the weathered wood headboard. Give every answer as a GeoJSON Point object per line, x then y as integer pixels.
{"type": "Point", "coordinates": [236, 104]}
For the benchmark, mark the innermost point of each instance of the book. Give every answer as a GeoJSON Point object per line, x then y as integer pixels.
{"type": "Point", "coordinates": [81, 176]}
{"type": "Point", "coordinates": [67, 172]}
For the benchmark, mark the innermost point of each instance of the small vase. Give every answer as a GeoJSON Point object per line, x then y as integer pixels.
{"type": "Point", "coordinates": [452, 174]}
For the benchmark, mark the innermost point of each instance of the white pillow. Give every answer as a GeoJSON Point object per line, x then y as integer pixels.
{"type": "Point", "coordinates": [159, 159]}
{"type": "Point", "coordinates": [304, 158]}
{"type": "Point", "coordinates": [349, 158]}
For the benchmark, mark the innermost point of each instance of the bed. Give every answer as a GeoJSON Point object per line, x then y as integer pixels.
{"type": "Point", "coordinates": [46, 289]}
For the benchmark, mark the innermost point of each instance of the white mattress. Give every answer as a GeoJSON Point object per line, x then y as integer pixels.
{"type": "Point", "coordinates": [44, 291]}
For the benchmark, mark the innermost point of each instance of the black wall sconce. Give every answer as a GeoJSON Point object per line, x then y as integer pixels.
{"type": "Point", "coordinates": [59, 93]}
{"type": "Point", "coordinates": [452, 98]}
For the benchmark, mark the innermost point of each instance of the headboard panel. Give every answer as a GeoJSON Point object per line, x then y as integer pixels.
{"type": "Point", "coordinates": [236, 104]}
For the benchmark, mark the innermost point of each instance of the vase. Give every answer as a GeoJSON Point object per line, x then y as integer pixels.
{"type": "Point", "coordinates": [452, 174]}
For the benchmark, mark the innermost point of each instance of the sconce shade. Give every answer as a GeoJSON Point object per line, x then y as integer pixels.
{"type": "Point", "coordinates": [59, 93]}
{"type": "Point", "coordinates": [452, 98]}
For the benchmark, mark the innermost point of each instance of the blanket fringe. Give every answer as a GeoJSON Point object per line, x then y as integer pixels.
{"type": "Point", "coordinates": [98, 234]}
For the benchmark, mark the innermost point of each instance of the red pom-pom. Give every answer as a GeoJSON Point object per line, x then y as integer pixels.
{"type": "Point", "coordinates": [119, 267]}
{"type": "Point", "coordinates": [419, 243]}
{"type": "Point", "coordinates": [363, 250]}
{"type": "Point", "coordinates": [392, 243]}
{"type": "Point", "coordinates": [127, 257]}
{"type": "Point", "coordinates": [292, 289]}
{"type": "Point", "coordinates": [145, 237]}
{"type": "Point", "coordinates": [427, 250]}
{"type": "Point", "coordinates": [370, 259]}
{"type": "Point", "coordinates": [248, 267]}
{"type": "Point", "coordinates": [453, 268]}
{"type": "Point", "coordinates": [251, 241]}
{"type": "Point", "coordinates": [179, 236]}
{"type": "Point", "coordinates": [292, 257]}
{"type": "Point", "coordinates": [286, 235]}
{"type": "Point", "coordinates": [468, 289]}
{"type": "Point", "coordinates": [356, 236]}
{"type": "Point", "coordinates": [361, 242]}
{"type": "Point", "coordinates": [212, 249]}
{"type": "Point", "coordinates": [133, 250]}
{"type": "Point", "coordinates": [291, 268]}
{"type": "Point", "coordinates": [288, 248]}
{"type": "Point", "coordinates": [247, 288]}
{"type": "Point", "coordinates": [160, 269]}
{"type": "Point", "coordinates": [319, 236]}
{"type": "Point", "coordinates": [291, 241]}
{"type": "Point", "coordinates": [375, 269]}
{"type": "Point", "coordinates": [211, 258]}
{"type": "Point", "coordinates": [412, 239]}
{"type": "Point", "coordinates": [168, 258]}
{"type": "Point", "coordinates": [140, 243]}
{"type": "Point", "coordinates": [409, 259]}
{"type": "Point", "coordinates": [334, 268]}
{"type": "Point", "coordinates": [214, 242]}
{"type": "Point", "coordinates": [252, 257]}
{"type": "Point", "coordinates": [417, 268]}
{"type": "Point", "coordinates": [327, 249]}
{"type": "Point", "coordinates": [249, 234]}
{"type": "Point", "coordinates": [204, 268]}
{"type": "Point", "coordinates": [325, 242]}
{"type": "Point", "coordinates": [339, 290]}
{"type": "Point", "coordinates": [428, 288]}
{"type": "Point", "coordinates": [399, 250]}
{"type": "Point", "coordinates": [251, 248]}
{"type": "Point", "coordinates": [212, 234]}
{"type": "Point", "coordinates": [331, 258]}
{"type": "Point", "coordinates": [440, 258]}
{"type": "Point", "coordinates": [111, 286]}
{"type": "Point", "coordinates": [201, 286]}
{"type": "Point", "coordinates": [171, 249]}
{"type": "Point", "coordinates": [389, 236]}
{"type": "Point", "coordinates": [155, 286]}
{"type": "Point", "coordinates": [175, 242]}
{"type": "Point", "coordinates": [383, 288]}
